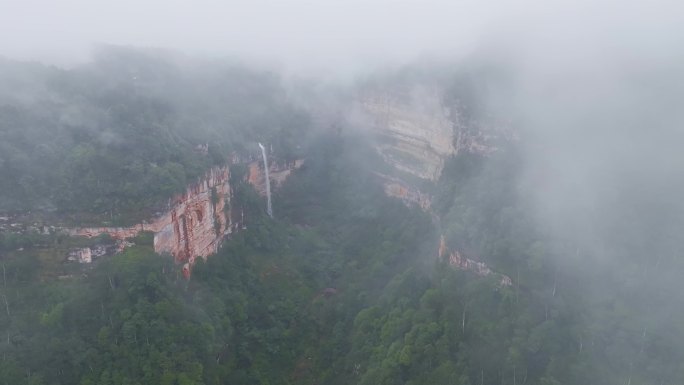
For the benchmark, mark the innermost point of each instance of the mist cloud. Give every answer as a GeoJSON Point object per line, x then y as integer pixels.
{"type": "Point", "coordinates": [325, 36]}
{"type": "Point", "coordinates": [595, 84]}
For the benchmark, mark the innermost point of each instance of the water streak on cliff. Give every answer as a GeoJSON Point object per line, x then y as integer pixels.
{"type": "Point", "coordinates": [277, 174]}
{"type": "Point", "coordinates": [269, 208]}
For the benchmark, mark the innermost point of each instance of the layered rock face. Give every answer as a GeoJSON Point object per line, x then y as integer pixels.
{"type": "Point", "coordinates": [193, 227]}
{"type": "Point", "coordinates": [417, 130]}
{"type": "Point", "coordinates": [199, 220]}
{"type": "Point", "coordinates": [414, 130]}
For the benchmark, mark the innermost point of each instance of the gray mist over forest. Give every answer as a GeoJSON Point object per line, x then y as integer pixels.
{"type": "Point", "coordinates": [600, 105]}
{"type": "Point", "coordinates": [592, 92]}
{"type": "Point", "coordinates": [594, 88]}
{"type": "Point", "coordinates": [330, 37]}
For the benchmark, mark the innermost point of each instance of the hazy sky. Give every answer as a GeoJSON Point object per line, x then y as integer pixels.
{"type": "Point", "coordinates": [328, 35]}
{"type": "Point", "coordinates": [292, 32]}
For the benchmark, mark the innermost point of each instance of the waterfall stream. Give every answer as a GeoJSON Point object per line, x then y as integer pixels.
{"type": "Point", "coordinates": [269, 209]}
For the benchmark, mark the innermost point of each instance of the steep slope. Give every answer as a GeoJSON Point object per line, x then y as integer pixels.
{"type": "Point", "coordinates": [417, 127]}
{"type": "Point", "coordinates": [198, 220]}
{"type": "Point", "coordinates": [194, 226]}
{"type": "Point", "coordinates": [414, 130]}
{"type": "Point", "coordinates": [108, 142]}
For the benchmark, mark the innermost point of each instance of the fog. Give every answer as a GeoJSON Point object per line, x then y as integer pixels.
{"type": "Point", "coordinates": [327, 37]}
{"type": "Point", "coordinates": [595, 86]}
{"type": "Point", "coordinates": [594, 90]}
{"type": "Point", "coordinates": [299, 34]}
{"type": "Point", "coordinates": [599, 96]}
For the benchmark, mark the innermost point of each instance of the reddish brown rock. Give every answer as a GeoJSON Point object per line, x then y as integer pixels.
{"type": "Point", "coordinates": [414, 127]}
{"type": "Point", "coordinates": [459, 261]}
{"type": "Point", "coordinates": [195, 225]}
{"type": "Point", "coordinates": [199, 219]}
{"type": "Point", "coordinates": [397, 188]}
{"type": "Point", "coordinates": [277, 172]}
{"type": "Point", "coordinates": [255, 177]}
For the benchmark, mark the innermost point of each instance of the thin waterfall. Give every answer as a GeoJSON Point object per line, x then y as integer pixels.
{"type": "Point", "coordinates": [269, 209]}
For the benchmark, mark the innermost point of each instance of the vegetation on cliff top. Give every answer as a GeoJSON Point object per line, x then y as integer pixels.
{"type": "Point", "coordinates": [344, 285]}
{"type": "Point", "coordinates": [114, 139]}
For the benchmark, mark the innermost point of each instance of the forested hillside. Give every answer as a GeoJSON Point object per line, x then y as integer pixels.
{"type": "Point", "coordinates": [344, 285]}
{"type": "Point", "coordinates": [115, 138]}
{"type": "Point", "coordinates": [343, 288]}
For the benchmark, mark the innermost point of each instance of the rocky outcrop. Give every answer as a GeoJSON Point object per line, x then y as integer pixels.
{"type": "Point", "coordinates": [414, 131]}
{"type": "Point", "coordinates": [397, 188]}
{"type": "Point", "coordinates": [459, 261]}
{"type": "Point", "coordinates": [278, 173]}
{"type": "Point", "coordinates": [81, 255]}
{"type": "Point", "coordinates": [193, 227]}
{"type": "Point", "coordinates": [197, 220]}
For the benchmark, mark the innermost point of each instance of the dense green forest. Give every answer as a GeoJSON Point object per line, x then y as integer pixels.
{"type": "Point", "coordinates": [114, 139]}
{"type": "Point", "coordinates": [342, 288]}
{"type": "Point", "coordinates": [344, 285]}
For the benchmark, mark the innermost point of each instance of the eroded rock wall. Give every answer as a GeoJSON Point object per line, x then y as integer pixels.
{"type": "Point", "coordinates": [199, 219]}
{"type": "Point", "coordinates": [193, 227]}
{"type": "Point", "coordinates": [414, 131]}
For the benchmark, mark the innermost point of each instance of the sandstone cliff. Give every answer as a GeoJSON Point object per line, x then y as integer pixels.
{"type": "Point", "coordinates": [199, 219]}
{"type": "Point", "coordinates": [414, 131]}
{"type": "Point", "coordinates": [417, 129]}
{"type": "Point", "coordinates": [193, 227]}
